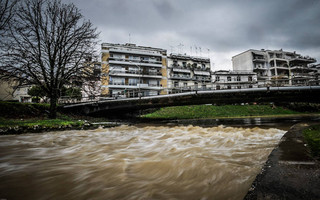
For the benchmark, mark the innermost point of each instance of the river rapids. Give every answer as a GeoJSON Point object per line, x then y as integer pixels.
{"type": "Point", "coordinates": [134, 162]}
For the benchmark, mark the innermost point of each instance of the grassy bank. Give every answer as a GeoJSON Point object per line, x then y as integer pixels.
{"type": "Point", "coordinates": [210, 111]}
{"type": "Point", "coordinates": [32, 116]}
{"type": "Point", "coordinates": [312, 136]}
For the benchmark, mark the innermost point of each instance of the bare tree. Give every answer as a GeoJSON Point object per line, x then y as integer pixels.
{"type": "Point", "coordinates": [49, 43]}
{"type": "Point", "coordinates": [6, 13]}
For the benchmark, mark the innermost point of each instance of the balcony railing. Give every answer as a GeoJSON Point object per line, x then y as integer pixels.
{"type": "Point", "coordinates": [137, 61]}
{"type": "Point", "coordinates": [137, 72]}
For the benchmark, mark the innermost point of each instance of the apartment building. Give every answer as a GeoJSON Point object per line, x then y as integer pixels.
{"type": "Point", "coordinates": [275, 67]}
{"type": "Point", "coordinates": [90, 83]}
{"type": "Point", "coordinates": [223, 79]}
{"type": "Point", "coordinates": [188, 72]}
{"type": "Point", "coordinates": [128, 70]}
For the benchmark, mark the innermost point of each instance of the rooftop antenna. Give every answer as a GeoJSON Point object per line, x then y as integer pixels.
{"type": "Point", "coordinates": [196, 49]}
{"type": "Point", "coordinates": [129, 38]}
{"type": "Point", "coordinates": [180, 46]}
{"type": "Point", "coordinates": [208, 53]}
{"type": "Point", "coordinates": [200, 51]}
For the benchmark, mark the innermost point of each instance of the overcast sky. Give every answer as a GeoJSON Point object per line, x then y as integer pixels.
{"type": "Point", "coordinates": [221, 29]}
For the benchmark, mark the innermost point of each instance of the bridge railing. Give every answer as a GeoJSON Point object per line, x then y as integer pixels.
{"type": "Point", "coordinates": [201, 87]}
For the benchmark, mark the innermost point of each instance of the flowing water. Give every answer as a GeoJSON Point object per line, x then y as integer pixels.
{"type": "Point", "coordinates": [134, 162]}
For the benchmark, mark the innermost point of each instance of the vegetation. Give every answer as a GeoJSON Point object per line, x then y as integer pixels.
{"type": "Point", "coordinates": [49, 45]}
{"type": "Point", "coordinates": [32, 116]}
{"type": "Point", "coordinates": [312, 136]}
{"type": "Point", "coordinates": [45, 123]}
{"type": "Point", "coordinates": [210, 111]}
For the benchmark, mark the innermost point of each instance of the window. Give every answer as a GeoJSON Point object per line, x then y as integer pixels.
{"type": "Point", "coordinates": [238, 78]}
{"type": "Point", "coordinates": [239, 86]}
{"type": "Point", "coordinates": [218, 87]}
{"type": "Point", "coordinates": [250, 78]}
{"type": "Point", "coordinates": [176, 84]}
{"type": "Point", "coordinates": [133, 81]}
{"type": "Point", "coordinates": [184, 64]}
{"type": "Point", "coordinates": [117, 81]}
{"type": "Point", "coordinates": [185, 85]}
{"type": "Point", "coordinates": [217, 78]}
{"type": "Point", "coordinates": [250, 86]}
{"type": "Point", "coordinates": [229, 78]}
{"type": "Point", "coordinates": [203, 66]}
{"type": "Point", "coordinates": [229, 86]}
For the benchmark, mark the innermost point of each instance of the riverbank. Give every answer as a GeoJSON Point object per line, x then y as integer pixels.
{"type": "Point", "coordinates": [18, 118]}
{"type": "Point", "coordinates": [292, 171]}
{"type": "Point", "coordinates": [226, 111]}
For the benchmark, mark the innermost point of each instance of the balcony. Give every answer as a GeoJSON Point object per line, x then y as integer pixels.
{"type": "Point", "coordinates": [183, 70]}
{"type": "Point", "coordinates": [180, 77]}
{"type": "Point", "coordinates": [122, 61]}
{"type": "Point", "coordinates": [201, 78]}
{"type": "Point", "coordinates": [135, 73]}
{"type": "Point", "coordinates": [259, 69]}
{"type": "Point", "coordinates": [258, 59]}
{"type": "Point", "coordinates": [301, 68]}
{"type": "Point", "coordinates": [122, 85]}
{"type": "Point", "coordinates": [279, 68]}
{"type": "Point", "coordinates": [304, 59]}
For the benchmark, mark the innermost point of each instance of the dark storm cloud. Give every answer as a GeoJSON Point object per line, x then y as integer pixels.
{"type": "Point", "coordinates": [225, 27]}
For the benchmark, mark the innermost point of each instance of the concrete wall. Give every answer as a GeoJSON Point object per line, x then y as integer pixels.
{"type": "Point", "coordinates": [243, 62]}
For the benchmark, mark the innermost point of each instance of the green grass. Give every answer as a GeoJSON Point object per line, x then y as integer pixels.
{"type": "Point", "coordinates": [28, 115]}
{"type": "Point", "coordinates": [47, 123]}
{"type": "Point", "coordinates": [209, 111]}
{"type": "Point", "coordinates": [312, 136]}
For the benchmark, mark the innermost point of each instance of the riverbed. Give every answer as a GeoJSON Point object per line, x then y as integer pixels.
{"type": "Point", "coordinates": [135, 162]}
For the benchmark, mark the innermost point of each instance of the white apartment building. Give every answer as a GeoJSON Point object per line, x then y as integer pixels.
{"type": "Point", "coordinates": [128, 70]}
{"type": "Point", "coordinates": [234, 80]}
{"type": "Point", "coordinates": [188, 72]}
{"type": "Point", "coordinates": [275, 67]}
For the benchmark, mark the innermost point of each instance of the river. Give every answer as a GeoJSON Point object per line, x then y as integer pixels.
{"type": "Point", "coordinates": [135, 162]}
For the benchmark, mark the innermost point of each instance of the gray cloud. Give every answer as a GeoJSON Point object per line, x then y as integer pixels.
{"type": "Point", "coordinates": [224, 27]}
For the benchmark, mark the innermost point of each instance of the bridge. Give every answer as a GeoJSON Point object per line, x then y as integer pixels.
{"type": "Point", "coordinates": [309, 94]}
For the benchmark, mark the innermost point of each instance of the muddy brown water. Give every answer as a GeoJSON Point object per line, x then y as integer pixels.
{"type": "Point", "coordinates": [135, 162]}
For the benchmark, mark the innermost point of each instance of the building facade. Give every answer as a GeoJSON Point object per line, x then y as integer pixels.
{"type": "Point", "coordinates": [275, 67]}
{"type": "Point", "coordinates": [188, 72]}
{"type": "Point", "coordinates": [128, 70]}
{"type": "Point", "coordinates": [91, 81]}
{"type": "Point", "coordinates": [234, 80]}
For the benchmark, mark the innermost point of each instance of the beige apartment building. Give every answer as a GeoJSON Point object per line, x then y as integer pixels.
{"type": "Point", "coordinates": [275, 67]}
{"type": "Point", "coordinates": [188, 72]}
{"type": "Point", "coordinates": [128, 70]}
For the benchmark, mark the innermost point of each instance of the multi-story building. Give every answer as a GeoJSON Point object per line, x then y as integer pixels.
{"type": "Point", "coordinates": [188, 72]}
{"type": "Point", "coordinates": [223, 79]}
{"type": "Point", "coordinates": [276, 67]}
{"type": "Point", "coordinates": [128, 70]}
{"type": "Point", "coordinates": [315, 74]}
{"type": "Point", "coordinates": [90, 82]}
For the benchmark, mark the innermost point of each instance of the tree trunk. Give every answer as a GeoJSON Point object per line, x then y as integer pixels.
{"type": "Point", "coordinates": [53, 107]}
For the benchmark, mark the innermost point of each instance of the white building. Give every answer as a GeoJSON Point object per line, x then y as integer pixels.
{"type": "Point", "coordinates": [21, 94]}
{"type": "Point", "coordinates": [276, 67]}
{"type": "Point", "coordinates": [188, 72]}
{"type": "Point", "coordinates": [234, 80]}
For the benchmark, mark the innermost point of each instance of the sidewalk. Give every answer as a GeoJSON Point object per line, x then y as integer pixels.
{"type": "Point", "coordinates": [290, 172]}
